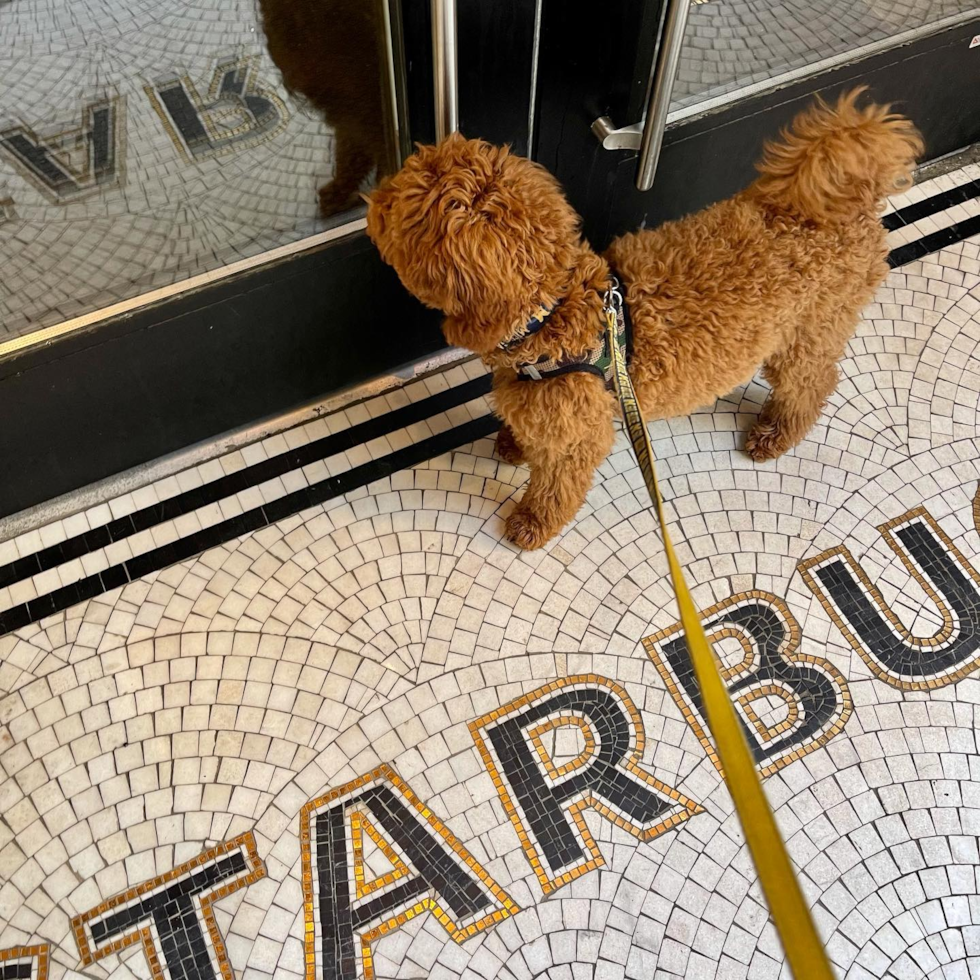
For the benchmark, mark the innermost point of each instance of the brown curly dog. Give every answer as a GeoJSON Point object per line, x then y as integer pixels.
{"type": "Point", "coordinates": [775, 275]}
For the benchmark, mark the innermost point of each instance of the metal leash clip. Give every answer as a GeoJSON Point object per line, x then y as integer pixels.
{"type": "Point", "coordinates": [612, 298]}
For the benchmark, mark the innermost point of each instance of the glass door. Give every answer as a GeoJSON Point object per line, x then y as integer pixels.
{"type": "Point", "coordinates": [181, 227]}
{"type": "Point", "coordinates": [733, 49]}
{"type": "Point", "coordinates": [741, 70]}
{"type": "Point", "coordinates": [143, 145]}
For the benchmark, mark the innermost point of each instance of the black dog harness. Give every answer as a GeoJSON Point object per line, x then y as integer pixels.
{"type": "Point", "coordinates": [597, 360]}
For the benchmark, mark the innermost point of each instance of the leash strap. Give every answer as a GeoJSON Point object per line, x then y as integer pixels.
{"type": "Point", "coordinates": [804, 950]}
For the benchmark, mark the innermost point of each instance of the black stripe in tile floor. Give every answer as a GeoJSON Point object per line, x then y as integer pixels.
{"type": "Point", "coordinates": [232, 483]}
{"type": "Point", "coordinates": [187, 547]}
{"type": "Point", "coordinates": [931, 205]}
{"type": "Point", "coordinates": [935, 241]}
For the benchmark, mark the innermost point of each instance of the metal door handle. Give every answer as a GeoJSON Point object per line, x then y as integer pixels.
{"type": "Point", "coordinates": [445, 79]}
{"type": "Point", "coordinates": [648, 137]}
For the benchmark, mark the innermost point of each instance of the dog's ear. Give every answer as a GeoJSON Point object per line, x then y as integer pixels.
{"type": "Point", "coordinates": [484, 248]}
{"type": "Point", "coordinates": [380, 202]}
{"type": "Point", "coordinates": [489, 281]}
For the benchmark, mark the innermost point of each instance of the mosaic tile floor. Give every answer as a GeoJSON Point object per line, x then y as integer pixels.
{"type": "Point", "coordinates": [299, 712]}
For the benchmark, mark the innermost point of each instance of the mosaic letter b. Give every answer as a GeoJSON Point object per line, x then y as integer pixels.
{"type": "Point", "coordinates": [789, 703]}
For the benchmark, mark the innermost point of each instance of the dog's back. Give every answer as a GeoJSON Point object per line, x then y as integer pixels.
{"type": "Point", "coordinates": [785, 265]}
{"type": "Point", "coordinates": [821, 187]}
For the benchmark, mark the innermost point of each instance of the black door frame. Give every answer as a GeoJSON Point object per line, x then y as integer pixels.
{"type": "Point", "coordinates": [585, 74]}
{"type": "Point", "coordinates": [258, 344]}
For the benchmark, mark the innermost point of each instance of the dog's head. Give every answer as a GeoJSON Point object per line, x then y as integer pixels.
{"type": "Point", "coordinates": [477, 232]}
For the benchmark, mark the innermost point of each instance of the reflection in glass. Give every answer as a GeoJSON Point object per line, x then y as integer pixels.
{"type": "Point", "coordinates": [730, 44]}
{"type": "Point", "coordinates": [334, 53]}
{"type": "Point", "coordinates": [143, 142]}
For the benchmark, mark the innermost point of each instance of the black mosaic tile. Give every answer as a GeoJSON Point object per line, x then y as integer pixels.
{"type": "Point", "coordinates": [931, 205]}
{"type": "Point", "coordinates": [542, 801]}
{"type": "Point", "coordinates": [909, 660]}
{"type": "Point", "coordinates": [818, 697]}
{"type": "Point", "coordinates": [931, 243]}
{"type": "Point", "coordinates": [20, 970]}
{"type": "Point", "coordinates": [436, 868]}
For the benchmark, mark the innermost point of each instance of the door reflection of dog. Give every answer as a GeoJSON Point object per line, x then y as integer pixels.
{"type": "Point", "coordinates": [332, 53]}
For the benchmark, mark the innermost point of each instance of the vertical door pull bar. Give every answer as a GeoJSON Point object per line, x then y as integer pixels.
{"type": "Point", "coordinates": [648, 138]}
{"type": "Point", "coordinates": [445, 78]}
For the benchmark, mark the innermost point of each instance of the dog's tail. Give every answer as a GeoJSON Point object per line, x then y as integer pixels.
{"type": "Point", "coordinates": [834, 162]}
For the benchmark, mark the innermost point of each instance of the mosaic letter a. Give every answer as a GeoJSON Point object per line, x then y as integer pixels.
{"type": "Point", "coordinates": [374, 857]}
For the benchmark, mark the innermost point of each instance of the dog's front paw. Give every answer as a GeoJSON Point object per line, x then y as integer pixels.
{"type": "Point", "coordinates": [527, 531]}
{"type": "Point", "coordinates": [507, 448]}
{"type": "Point", "coordinates": [766, 441]}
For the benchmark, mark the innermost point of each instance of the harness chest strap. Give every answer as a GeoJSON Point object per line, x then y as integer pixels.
{"type": "Point", "coordinates": [597, 360]}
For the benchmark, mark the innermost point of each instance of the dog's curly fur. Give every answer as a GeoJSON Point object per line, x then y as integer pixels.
{"type": "Point", "coordinates": [775, 275]}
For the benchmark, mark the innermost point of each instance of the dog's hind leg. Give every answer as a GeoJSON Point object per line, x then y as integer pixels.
{"type": "Point", "coordinates": [803, 376]}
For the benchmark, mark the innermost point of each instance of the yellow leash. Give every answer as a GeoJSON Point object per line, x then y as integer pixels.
{"type": "Point", "coordinates": [804, 950]}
